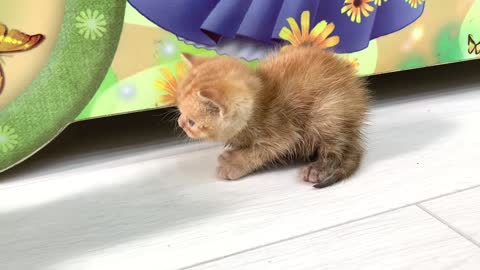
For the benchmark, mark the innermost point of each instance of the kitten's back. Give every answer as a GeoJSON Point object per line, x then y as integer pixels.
{"type": "Point", "coordinates": [309, 71]}
{"type": "Point", "coordinates": [307, 79]}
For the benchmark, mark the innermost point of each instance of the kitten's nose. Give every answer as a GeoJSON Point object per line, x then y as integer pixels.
{"type": "Point", "coordinates": [181, 122]}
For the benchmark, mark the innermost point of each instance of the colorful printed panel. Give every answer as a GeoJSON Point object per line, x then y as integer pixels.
{"type": "Point", "coordinates": [378, 36]}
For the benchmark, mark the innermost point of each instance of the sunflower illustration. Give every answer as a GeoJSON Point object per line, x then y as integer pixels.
{"type": "Point", "coordinates": [379, 2]}
{"type": "Point", "coordinates": [415, 3]}
{"type": "Point", "coordinates": [169, 83]}
{"type": "Point", "coordinates": [355, 9]}
{"type": "Point", "coordinates": [319, 36]}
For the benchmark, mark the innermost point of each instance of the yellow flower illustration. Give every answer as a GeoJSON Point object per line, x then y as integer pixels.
{"type": "Point", "coordinates": [319, 36]}
{"type": "Point", "coordinates": [379, 2]}
{"type": "Point", "coordinates": [415, 3]}
{"type": "Point", "coordinates": [169, 83]}
{"type": "Point", "coordinates": [356, 8]}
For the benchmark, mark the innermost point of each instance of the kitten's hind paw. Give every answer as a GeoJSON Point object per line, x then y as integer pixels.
{"type": "Point", "coordinates": [314, 174]}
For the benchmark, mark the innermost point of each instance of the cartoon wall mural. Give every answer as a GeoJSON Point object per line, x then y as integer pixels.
{"type": "Point", "coordinates": [250, 28]}
{"type": "Point", "coordinates": [86, 59]}
{"type": "Point", "coordinates": [46, 87]}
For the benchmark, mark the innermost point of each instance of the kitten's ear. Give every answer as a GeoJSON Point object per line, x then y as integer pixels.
{"type": "Point", "coordinates": [214, 100]}
{"type": "Point", "coordinates": [193, 60]}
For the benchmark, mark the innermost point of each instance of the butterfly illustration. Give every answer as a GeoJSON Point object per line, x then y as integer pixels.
{"type": "Point", "coordinates": [473, 46]}
{"type": "Point", "coordinates": [15, 41]}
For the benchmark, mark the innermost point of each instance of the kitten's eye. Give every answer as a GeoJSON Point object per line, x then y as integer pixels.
{"type": "Point", "coordinates": [191, 122]}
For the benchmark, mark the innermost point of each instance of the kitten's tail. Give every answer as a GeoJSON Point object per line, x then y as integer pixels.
{"type": "Point", "coordinates": [333, 167]}
{"type": "Point", "coordinates": [347, 167]}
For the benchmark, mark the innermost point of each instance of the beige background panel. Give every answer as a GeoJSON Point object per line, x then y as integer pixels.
{"type": "Point", "coordinates": [31, 17]}
{"type": "Point", "coordinates": [136, 50]}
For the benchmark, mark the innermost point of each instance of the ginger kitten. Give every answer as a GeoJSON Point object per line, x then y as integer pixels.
{"type": "Point", "coordinates": [303, 103]}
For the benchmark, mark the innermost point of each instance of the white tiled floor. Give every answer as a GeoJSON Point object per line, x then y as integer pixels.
{"type": "Point", "coordinates": [157, 205]}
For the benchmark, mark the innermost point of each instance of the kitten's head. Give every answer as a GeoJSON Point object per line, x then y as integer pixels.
{"type": "Point", "coordinates": [216, 97]}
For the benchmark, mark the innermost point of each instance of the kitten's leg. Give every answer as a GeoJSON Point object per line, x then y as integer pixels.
{"type": "Point", "coordinates": [332, 167]}
{"type": "Point", "coordinates": [235, 164]}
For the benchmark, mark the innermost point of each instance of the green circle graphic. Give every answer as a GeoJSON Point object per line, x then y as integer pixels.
{"type": "Point", "coordinates": [82, 55]}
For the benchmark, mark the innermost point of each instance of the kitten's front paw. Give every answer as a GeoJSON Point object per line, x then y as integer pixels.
{"type": "Point", "coordinates": [231, 166]}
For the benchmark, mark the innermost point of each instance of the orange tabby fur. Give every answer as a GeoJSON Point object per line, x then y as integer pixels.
{"type": "Point", "coordinates": [301, 103]}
